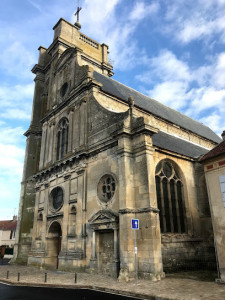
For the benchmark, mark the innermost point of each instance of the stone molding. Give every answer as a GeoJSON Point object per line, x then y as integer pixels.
{"type": "Point", "coordinates": [138, 210]}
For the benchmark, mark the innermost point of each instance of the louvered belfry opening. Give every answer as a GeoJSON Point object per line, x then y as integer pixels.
{"type": "Point", "coordinates": [170, 198]}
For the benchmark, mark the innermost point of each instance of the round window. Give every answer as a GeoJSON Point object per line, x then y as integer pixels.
{"type": "Point", "coordinates": [57, 198]}
{"type": "Point", "coordinates": [63, 89]}
{"type": "Point", "coordinates": [106, 188]}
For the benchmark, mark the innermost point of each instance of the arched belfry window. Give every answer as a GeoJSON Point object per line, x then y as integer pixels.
{"type": "Point", "coordinates": [169, 189]}
{"type": "Point", "coordinates": [62, 138]}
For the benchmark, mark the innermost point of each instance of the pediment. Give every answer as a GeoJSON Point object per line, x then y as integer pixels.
{"type": "Point", "coordinates": [104, 217]}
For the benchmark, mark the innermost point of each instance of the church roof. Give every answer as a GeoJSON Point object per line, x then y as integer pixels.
{"type": "Point", "coordinates": [8, 225]}
{"type": "Point", "coordinates": [156, 108]}
{"type": "Point", "coordinates": [177, 145]}
{"type": "Point", "coordinates": [216, 151]}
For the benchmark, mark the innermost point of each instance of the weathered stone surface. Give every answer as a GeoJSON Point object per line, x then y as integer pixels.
{"type": "Point", "coordinates": [76, 229]}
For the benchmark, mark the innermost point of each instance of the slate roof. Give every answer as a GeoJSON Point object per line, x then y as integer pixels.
{"type": "Point", "coordinates": [218, 150]}
{"type": "Point", "coordinates": [8, 225]}
{"type": "Point", "coordinates": [122, 92]}
{"type": "Point", "coordinates": [177, 145]}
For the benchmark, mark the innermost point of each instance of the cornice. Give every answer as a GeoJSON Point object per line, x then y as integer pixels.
{"type": "Point", "coordinates": [32, 130]}
{"type": "Point", "coordinates": [138, 210]}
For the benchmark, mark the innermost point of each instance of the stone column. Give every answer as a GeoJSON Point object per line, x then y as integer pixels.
{"type": "Point", "coordinates": [148, 237]}
{"type": "Point", "coordinates": [93, 260]}
{"type": "Point", "coordinates": [127, 201]}
{"type": "Point", "coordinates": [116, 244]}
{"type": "Point", "coordinates": [116, 262]}
{"type": "Point", "coordinates": [93, 250]}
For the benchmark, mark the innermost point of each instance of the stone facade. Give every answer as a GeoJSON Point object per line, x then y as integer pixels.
{"type": "Point", "coordinates": [91, 166]}
{"type": "Point", "coordinates": [214, 167]}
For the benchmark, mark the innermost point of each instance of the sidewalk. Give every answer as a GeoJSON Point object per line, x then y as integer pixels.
{"type": "Point", "coordinates": [168, 288]}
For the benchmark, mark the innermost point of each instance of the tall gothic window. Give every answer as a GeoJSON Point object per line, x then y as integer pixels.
{"type": "Point", "coordinates": [169, 189]}
{"type": "Point", "coordinates": [62, 139]}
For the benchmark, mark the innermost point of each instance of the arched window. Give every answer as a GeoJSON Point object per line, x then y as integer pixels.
{"type": "Point", "coordinates": [62, 139]}
{"type": "Point", "coordinates": [169, 189]}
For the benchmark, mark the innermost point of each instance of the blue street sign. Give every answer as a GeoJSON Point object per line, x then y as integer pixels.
{"type": "Point", "coordinates": [134, 223]}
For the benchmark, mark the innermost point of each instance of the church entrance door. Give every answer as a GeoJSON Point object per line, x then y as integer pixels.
{"type": "Point", "coordinates": [106, 252]}
{"type": "Point", "coordinates": [54, 245]}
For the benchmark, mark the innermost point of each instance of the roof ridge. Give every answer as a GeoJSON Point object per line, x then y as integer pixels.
{"type": "Point", "coordinates": [176, 111]}
{"type": "Point", "coordinates": [121, 91]}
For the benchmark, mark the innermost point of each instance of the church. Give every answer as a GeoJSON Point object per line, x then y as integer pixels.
{"type": "Point", "coordinates": [100, 154]}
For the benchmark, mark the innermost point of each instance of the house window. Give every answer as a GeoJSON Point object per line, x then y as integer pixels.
{"type": "Point", "coordinates": [169, 189]}
{"type": "Point", "coordinates": [62, 139]}
{"type": "Point", "coordinates": [222, 186]}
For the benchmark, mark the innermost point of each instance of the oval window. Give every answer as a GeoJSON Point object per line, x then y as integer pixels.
{"type": "Point", "coordinates": [56, 198]}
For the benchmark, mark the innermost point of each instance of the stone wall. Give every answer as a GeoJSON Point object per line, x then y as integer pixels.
{"type": "Point", "coordinates": [180, 252]}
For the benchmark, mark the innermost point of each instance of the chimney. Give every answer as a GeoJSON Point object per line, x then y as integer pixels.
{"type": "Point", "coordinates": [223, 135]}
{"type": "Point", "coordinates": [14, 218]}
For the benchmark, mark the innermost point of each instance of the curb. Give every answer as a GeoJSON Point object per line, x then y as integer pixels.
{"type": "Point", "coordinates": [87, 287]}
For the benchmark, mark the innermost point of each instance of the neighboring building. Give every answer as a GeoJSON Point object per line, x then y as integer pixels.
{"type": "Point", "coordinates": [100, 154]}
{"type": "Point", "coordinates": [214, 166]}
{"type": "Point", "coordinates": [7, 232]}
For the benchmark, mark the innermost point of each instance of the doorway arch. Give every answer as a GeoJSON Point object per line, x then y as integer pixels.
{"type": "Point", "coordinates": [54, 241]}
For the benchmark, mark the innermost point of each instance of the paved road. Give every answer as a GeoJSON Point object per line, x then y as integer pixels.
{"type": "Point", "coordinates": [4, 261]}
{"type": "Point", "coordinates": [8, 292]}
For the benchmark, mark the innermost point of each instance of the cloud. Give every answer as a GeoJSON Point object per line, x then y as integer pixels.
{"type": "Point", "coordinates": [11, 135]}
{"type": "Point", "coordinates": [196, 91]}
{"type": "Point", "coordinates": [206, 97]}
{"type": "Point", "coordinates": [7, 213]}
{"type": "Point", "coordinates": [171, 93]}
{"type": "Point", "coordinates": [16, 101]}
{"type": "Point", "coordinates": [35, 5]}
{"type": "Point", "coordinates": [105, 22]}
{"type": "Point", "coordinates": [165, 66]}
{"type": "Point", "coordinates": [214, 122]}
{"type": "Point", "coordinates": [11, 160]}
{"type": "Point", "coordinates": [201, 21]}
{"type": "Point", "coordinates": [18, 114]}
{"type": "Point", "coordinates": [218, 74]}
{"type": "Point", "coordinates": [17, 60]}
{"type": "Point", "coordinates": [11, 94]}
{"type": "Point", "coordinates": [141, 10]}
{"type": "Point", "coordinates": [11, 168]}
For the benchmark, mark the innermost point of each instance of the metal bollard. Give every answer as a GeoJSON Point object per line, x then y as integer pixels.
{"type": "Point", "coordinates": [7, 275]}
{"type": "Point", "coordinates": [18, 277]}
{"type": "Point", "coordinates": [75, 278]}
{"type": "Point", "coordinates": [45, 277]}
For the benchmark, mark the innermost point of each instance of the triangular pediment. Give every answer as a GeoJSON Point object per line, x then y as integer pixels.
{"type": "Point", "coordinates": [104, 217]}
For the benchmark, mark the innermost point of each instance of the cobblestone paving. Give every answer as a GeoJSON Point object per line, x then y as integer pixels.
{"type": "Point", "coordinates": [168, 288]}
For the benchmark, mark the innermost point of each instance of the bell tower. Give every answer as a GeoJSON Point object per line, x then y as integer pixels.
{"type": "Point", "coordinates": [88, 53]}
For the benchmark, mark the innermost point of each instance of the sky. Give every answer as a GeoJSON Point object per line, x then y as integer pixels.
{"type": "Point", "coordinates": [170, 50]}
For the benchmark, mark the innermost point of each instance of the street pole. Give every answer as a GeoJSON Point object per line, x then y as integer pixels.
{"type": "Point", "coordinates": [135, 226]}
{"type": "Point", "coordinates": [135, 255]}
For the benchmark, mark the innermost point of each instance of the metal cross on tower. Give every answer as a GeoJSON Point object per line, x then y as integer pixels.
{"type": "Point", "coordinates": [77, 13]}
